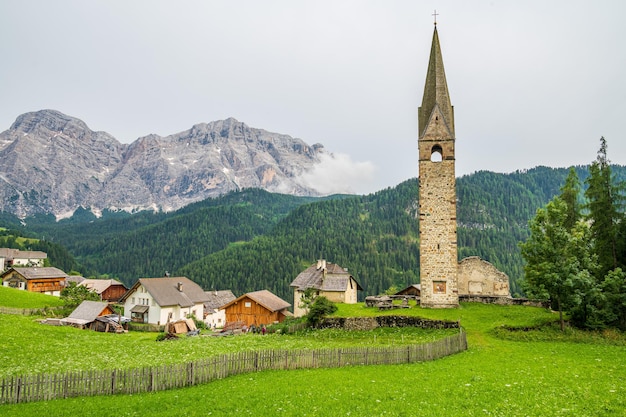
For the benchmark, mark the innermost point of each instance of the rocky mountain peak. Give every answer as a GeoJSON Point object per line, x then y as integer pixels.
{"type": "Point", "coordinates": [46, 120]}
{"type": "Point", "coordinates": [53, 163]}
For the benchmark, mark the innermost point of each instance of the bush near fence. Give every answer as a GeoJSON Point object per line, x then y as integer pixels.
{"type": "Point", "coordinates": [44, 387]}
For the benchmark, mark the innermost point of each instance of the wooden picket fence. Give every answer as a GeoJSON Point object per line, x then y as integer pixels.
{"type": "Point", "coordinates": [43, 387]}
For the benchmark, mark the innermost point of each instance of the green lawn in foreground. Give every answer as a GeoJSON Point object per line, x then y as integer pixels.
{"type": "Point", "coordinates": [495, 377]}
{"type": "Point", "coordinates": [86, 350]}
{"type": "Point", "coordinates": [11, 297]}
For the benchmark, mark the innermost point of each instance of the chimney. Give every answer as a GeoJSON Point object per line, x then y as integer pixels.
{"type": "Point", "coordinates": [180, 286]}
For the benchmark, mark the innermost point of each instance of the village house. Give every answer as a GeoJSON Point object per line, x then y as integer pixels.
{"type": "Point", "coordinates": [108, 289]}
{"type": "Point", "coordinates": [15, 257]}
{"type": "Point", "coordinates": [162, 300]}
{"type": "Point", "coordinates": [326, 279]}
{"type": "Point", "coordinates": [256, 309]}
{"type": "Point", "coordinates": [213, 316]}
{"type": "Point", "coordinates": [47, 280]}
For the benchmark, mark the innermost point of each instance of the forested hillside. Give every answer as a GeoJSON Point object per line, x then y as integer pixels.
{"type": "Point", "coordinates": [253, 240]}
{"type": "Point", "coordinates": [376, 236]}
{"type": "Point", "coordinates": [150, 244]}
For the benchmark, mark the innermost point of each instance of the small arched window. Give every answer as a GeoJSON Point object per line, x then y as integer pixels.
{"type": "Point", "coordinates": [436, 154]}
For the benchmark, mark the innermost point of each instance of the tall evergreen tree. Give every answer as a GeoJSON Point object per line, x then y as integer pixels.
{"type": "Point", "coordinates": [570, 194]}
{"type": "Point", "coordinates": [604, 201]}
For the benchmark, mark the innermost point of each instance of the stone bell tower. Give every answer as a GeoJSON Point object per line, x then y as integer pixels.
{"type": "Point", "coordinates": [437, 189]}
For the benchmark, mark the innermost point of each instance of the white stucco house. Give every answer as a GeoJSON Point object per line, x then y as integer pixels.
{"type": "Point", "coordinates": [161, 300]}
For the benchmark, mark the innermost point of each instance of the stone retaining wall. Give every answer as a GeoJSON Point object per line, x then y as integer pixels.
{"type": "Point", "coordinates": [491, 299]}
{"type": "Point", "coordinates": [369, 323]}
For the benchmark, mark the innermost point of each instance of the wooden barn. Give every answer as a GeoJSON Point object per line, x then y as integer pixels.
{"type": "Point", "coordinates": [411, 291]}
{"type": "Point", "coordinates": [108, 289]}
{"type": "Point", "coordinates": [257, 308]}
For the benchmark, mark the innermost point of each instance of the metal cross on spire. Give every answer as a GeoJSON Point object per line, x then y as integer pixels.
{"type": "Point", "coordinates": [435, 14]}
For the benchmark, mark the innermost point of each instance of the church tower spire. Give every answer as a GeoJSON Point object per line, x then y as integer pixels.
{"type": "Point", "coordinates": [437, 188]}
{"type": "Point", "coordinates": [436, 90]}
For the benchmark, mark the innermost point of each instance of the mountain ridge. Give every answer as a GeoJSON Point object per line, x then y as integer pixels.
{"type": "Point", "coordinates": [53, 163]}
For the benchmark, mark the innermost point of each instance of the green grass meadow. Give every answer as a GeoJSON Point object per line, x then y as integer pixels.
{"type": "Point", "coordinates": [10, 297]}
{"type": "Point", "coordinates": [536, 373]}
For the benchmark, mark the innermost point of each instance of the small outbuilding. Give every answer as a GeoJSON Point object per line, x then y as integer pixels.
{"type": "Point", "coordinates": [94, 315]}
{"type": "Point", "coordinates": [412, 291]}
{"type": "Point", "coordinates": [256, 309]}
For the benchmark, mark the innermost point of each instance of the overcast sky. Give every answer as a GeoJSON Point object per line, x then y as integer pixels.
{"type": "Point", "coordinates": [532, 82]}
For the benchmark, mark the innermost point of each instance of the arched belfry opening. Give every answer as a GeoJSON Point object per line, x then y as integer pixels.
{"type": "Point", "coordinates": [436, 154]}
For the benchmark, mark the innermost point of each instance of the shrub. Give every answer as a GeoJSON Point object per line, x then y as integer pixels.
{"type": "Point", "coordinates": [320, 308]}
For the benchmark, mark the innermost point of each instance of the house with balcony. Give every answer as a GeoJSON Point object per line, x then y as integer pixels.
{"type": "Point", "coordinates": [47, 280]}
{"type": "Point", "coordinates": [162, 300]}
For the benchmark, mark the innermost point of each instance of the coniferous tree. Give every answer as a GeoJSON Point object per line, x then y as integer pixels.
{"type": "Point", "coordinates": [570, 194]}
{"type": "Point", "coordinates": [604, 201]}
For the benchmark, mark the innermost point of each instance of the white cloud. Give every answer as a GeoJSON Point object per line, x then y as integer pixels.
{"type": "Point", "coordinates": [339, 174]}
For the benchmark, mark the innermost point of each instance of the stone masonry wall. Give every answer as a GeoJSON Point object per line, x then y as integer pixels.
{"type": "Point", "coordinates": [369, 323]}
{"type": "Point", "coordinates": [478, 277]}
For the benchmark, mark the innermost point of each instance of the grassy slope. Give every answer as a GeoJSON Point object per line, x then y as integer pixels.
{"type": "Point", "coordinates": [93, 350]}
{"type": "Point", "coordinates": [10, 297]}
{"type": "Point", "coordinates": [494, 377]}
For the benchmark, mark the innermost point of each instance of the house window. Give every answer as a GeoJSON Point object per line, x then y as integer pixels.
{"type": "Point", "coordinates": [248, 304]}
{"type": "Point", "coordinates": [132, 300]}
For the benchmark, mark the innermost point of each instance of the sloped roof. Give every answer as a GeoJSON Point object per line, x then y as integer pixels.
{"type": "Point", "coordinates": [88, 311]}
{"type": "Point", "coordinates": [38, 273]}
{"type": "Point", "coordinates": [265, 298]}
{"type": "Point", "coordinates": [75, 278]}
{"type": "Point", "coordinates": [9, 253]}
{"type": "Point", "coordinates": [332, 278]}
{"type": "Point", "coordinates": [165, 291]}
{"type": "Point", "coordinates": [410, 288]}
{"type": "Point", "coordinates": [435, 91]}
{"type": "Point", "coordinates": [218, 299]}
{"type": "Point", "coordinates": [99, 285]}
